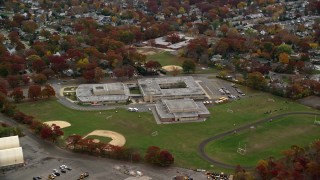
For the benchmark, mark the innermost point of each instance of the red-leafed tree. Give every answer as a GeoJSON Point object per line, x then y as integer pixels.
{"type": "Point", "coordinates": [173, 38]}
{"type": "Point", "coordinates": [152, 155]}
{"type": "Point", "coordinates": [36, 126]}
{"type": "Point", "coordinates": [165, 158]}
{"type": "Point", "coordinates": [56, 132]}
{"type": "Point", "coordinates": [155, 155]}
{"type": "Point", "coordinates": [197, 46]}
{"type": "Point", "coordinates": [13, 80]}
{"type": "Point", "coordinates": [17, 94]}
{"type": "Point", "coordinates": [25, 79]}
{"type": "Point", "coordinates": [114, 59]}
{"type": "Point", "coordinates": [34, 92]}
{"type": "Point", "coordinates": [152, 65]}
{"type": "Point", "coordinates": [46, 132]}
{"type": "Point", "coordinates": [129, 70]}
{"type": "Point", "coordinates": [4, 85]}
{"type": "Point", "coordinates": [119, 72]}
{"type": "Point", "coordinates": [72, 140]}
{"type": "Point", "coordinates": [38, 65]}
{"type": "Point", "coordinates": [58, 63]}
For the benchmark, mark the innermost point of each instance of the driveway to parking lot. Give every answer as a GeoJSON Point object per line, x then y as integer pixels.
{"type": "Point", "coordinates": [203, 144]}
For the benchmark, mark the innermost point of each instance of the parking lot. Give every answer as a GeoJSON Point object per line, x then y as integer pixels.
{"type": "Point", "coordinates": [212, 87]}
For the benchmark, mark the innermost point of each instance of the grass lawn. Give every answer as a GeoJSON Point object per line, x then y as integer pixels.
{"type": "Point", "coordinates": [267, 140]}
{"type": "Point", "coordinates": [165, 58]}
{"type": "Point", "coordinates": [101, 138]}
{"type": "Point", "coordinates": [180, 139]}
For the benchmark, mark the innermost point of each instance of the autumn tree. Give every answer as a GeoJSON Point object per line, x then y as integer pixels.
{"type": "Point", "coordinates": [189, 66]}
{"type": "Point", "coordinates": [38, 65]}
{"type": "Point", "coordinates": [119, 72]}
{"type": "Point", "coordinates": [4, 85]}
{"type": "Point", "coordinates": [29, 26]}
{"type": "Point", "coordinates": [72, 140]}
{"type": "Point", "coordinates": [196, 48]}
{"type": "Point", "coordinates": [152, 155]}
{"type": "Point", "coordinates": [155, 155]}
{"type": "Point", "coordinates": [256, 80]}
{"type": "Point", "coordinates": [98, 74]}
{"type": "Point", "coordinates": [284, 58]}
{"type": "Point", "coordinates": [17, 95]}
{"type": "Point", "coordinates": [13, 80]}
{"type": "Point", "coordinates": [46, 132]}
{"type": "Point", "coordinates": [58, 63]}
{"type": "Point", "coordinates": [56, 132]}
{"type": "Point", "coordinates": [48, 91]}
{"type": "Point", "coordinates": [165, 158]}
{"type": "Point", "coordinates": [152, 65]}
{"type": "Point", "coordinates": [129, 70]}
{"type": "Point", "coordinates": [34, 92]}
{"type": "Point", "coordinates": [39, 78]}
{"type": "Point", "coordinates": [224, 29]}
{"type": "Point", "coordinates": [173, 38]}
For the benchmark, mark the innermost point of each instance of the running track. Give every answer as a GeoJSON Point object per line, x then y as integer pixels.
{"type": "Point", "coordinates": [242, 128]}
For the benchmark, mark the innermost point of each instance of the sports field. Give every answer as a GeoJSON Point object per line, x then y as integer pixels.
{"type": "Point", "coordinates": [183, 139]}
{"type": "Point", "coordinates": [165, 58]}
{"type": "Point", "coordinates": [266, 140]}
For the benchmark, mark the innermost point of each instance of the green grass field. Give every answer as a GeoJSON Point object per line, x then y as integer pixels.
{"type": "Point", "coordinates": [101, 138]}
{"type": "Point", "coordinates": [267, 140]}
{"type": "Point", "coordinates": [180, 139]}
{"type": "Point", "coordinates": [165, 58]}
